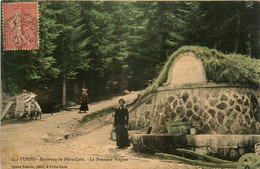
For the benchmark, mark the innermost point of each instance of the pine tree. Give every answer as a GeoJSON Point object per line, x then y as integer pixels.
{"type": "Point", "coordinates": [31, 69]}
{"type": "Point", "coordinates": [70, 54]}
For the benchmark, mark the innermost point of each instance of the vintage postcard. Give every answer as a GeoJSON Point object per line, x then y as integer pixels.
{"type": "Point", "coordinates": [130, 84]}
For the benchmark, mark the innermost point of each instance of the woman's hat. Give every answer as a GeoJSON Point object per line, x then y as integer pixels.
{"type": "Point", "coordinates": [121, 100]}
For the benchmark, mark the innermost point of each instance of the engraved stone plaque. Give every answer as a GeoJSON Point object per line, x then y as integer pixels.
{"type": "Point", "coordinates": [187, 69]}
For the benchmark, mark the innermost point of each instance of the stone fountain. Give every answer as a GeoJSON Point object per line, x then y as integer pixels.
{"type": "Point", "coordinates": [227, 118]}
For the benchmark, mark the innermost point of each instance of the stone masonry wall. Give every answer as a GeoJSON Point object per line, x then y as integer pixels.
{"type": "Point", "coordinates": [211, 110]}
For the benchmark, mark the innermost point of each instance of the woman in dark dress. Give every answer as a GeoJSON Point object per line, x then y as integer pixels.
{"type": "Point", "coordinates": [84, 101]}
{"type": "Point", "coordinates": [121, 124]}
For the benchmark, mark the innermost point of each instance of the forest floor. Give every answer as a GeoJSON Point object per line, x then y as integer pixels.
{"type": "Point", "coordinates": [59, 141]}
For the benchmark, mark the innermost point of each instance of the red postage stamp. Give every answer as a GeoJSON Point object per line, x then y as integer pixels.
{"type": "Point", "coordinates": [20, 26]}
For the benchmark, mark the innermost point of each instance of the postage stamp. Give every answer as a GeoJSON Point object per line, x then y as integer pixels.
{"type": "Point", "coordinates": [20, 26]}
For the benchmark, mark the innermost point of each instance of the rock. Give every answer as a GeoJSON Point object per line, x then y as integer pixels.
{"type": "Point", "coordinates": [178, 93]}
{"type": "Point", "coordinates": [254, 101]}
{"type": "Point", "coordinates": [245, 129]}
{"type": "Point", "coordinates": [196, 108]}
{"type": "Point", "coordinates": [180, 111]}
{"type": "Point", "coordinates": [163, 119]}
{"type": "Point", "coordinates": [46, 137]}
{"type": "Point", "coordinates": [175, 104]}
{"type": "Point", "coordinates": [206, 129]}
{"type": "Point", "coordinates": [204, 104]}
{"type": "Point", "coordinates": [173, 115]}
{"type": "Point", "coordinates": [212, 112]}
{"type": "Point", "coordinates": [170, 99]}
{"type": "Point", "coordinates": [235, 128]}
{"type": "Point", "coordinates": [243, 97]}
{"type": "Point", "coordinates": [185, 119]}
{"type": "Point", "coordinates": [229, 111]}
{"type": "Point", "coordinates": [235, 96]}
{"type": "Point", "coordinates": [241, 151]}
{"type": "Point", "coordinates": [234, 115]}
{"type": "Point", "coordinates": [240, 120]}
{"type": "Point", "coordinates": [233, 154]}
{"type": "Point", "coordinates": [223, 97]}
{"type": "Point", "coordinates": [58, 139]}
{"type": "Point", "coordinates": [215, 93]}
{"type": "Point", "coordinates": [148, 123]}
{"type": "Point", "coordinates": [246, 103]}
{"type": "Point", "coordinates": [66, 135]}
{"type": "Point", "coordinates": [253, 127]}
{"type": "Point", "coordinates": [256, 114]}
{"type": "Point", "coordinates": [251, 114]}
{"type": "Point", "coordinates": [220, 129]}
{"type": "Point", "coordinates": [247, 119]}
{"type": "Point", "coordinates": [205, 117]}
{"type": "Point", "coordinates": [229, 122]}
{"type": "Point", "coordinates": [163, 129]}
{"type": "Point", "coordinates": [132, 124]}
{"type": "Point", "coordinates": [194, 99]}
{"type": "Point", "coordinates": [180, 102]}
{"type": "Point", "coordinates": [205, 95]}
{"type": "Point", "coordinates": [220, 117]}
{"type": "Point", "coordinates": [157, 118]}
{"type": "Point", "coordinates": [231, 102]}
{"type": "Point", "coordinates": [185, 96]}
{"type": "Point", "coordinates": [240, 101]}
{"type": "Point", "coordinates": [147, 114]}
{"type": "Point", "coordinates": [213, 102]}
{"type": "Point", "coordinates": [195, 118]}
{"type": "Point", "coordinates": [237, 107]}
{"type": "Point", "coordinates": [189, 113]}
{"type": "Point", "coordinates": [222, 106]}
{"type": "Point", "coordinates": [140, 122]}
{"type": "Point", "coordinates": [107, 120]}
{"type": "Point", "coordinates": [213, 123]}
{"type": "Point", "coordinates": [244, 110]}
{"type": "Point", "coordinates": [226, 152]}
{"type": "Point", "coordinates": [189, 105]}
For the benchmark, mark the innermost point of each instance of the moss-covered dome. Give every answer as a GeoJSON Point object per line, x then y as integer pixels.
{"type": "Point", "coordinates": [232, 69]}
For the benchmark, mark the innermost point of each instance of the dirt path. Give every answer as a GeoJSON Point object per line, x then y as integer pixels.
{"type": "Point", "coordinates": [87, 147]}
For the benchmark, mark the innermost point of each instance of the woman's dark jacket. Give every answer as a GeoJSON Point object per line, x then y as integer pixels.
{"type": "Point", "coordinates": [121, 116]}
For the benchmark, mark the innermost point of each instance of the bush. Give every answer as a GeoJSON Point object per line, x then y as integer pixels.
{"type": "Point", "coordinates": [97, 114]}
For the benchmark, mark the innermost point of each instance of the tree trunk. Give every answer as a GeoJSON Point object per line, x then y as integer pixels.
{"type": "Point", "coordinates": [83, 85]}
{"type": "Point", "coordinates": [238, 32]}
{"type": "Point", "coordinates": [249, 45]}
{"type": "Point", "coordinates": [64, 91]}
{"type": "Point", "coordinates": [216, 45]}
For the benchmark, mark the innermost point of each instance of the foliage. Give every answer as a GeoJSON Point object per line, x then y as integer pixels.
{"type": "Point", "coordinates": [232, 69]}
{"type": "Point", "coordinates": [90, 44]}
{"type": "Point", "coordinates": [100, 113]}
{"type": "Point", "coordinates": [27, 69]}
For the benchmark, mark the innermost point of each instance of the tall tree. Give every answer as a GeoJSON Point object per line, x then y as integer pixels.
{"type": "Point", "coordinates": [70, 53]}
{"type": "Point", "coordinates": [29, 69]}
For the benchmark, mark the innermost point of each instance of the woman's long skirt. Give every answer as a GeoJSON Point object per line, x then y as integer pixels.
{"type": "Point", "coordinates": [122, 136]}
{"type": "Point", "coordinates": [84, 107]}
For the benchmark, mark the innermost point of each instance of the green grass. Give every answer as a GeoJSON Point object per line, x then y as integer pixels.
{"type": "Point", "coordinates": [232, 69]}
{"type": "Point", "coordinates": [97, 114]}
